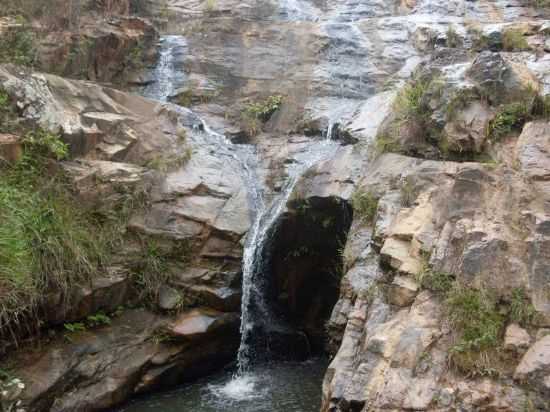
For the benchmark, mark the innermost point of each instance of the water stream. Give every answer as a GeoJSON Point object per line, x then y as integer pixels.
{"type": "Point", "coordinates": [250, 386]}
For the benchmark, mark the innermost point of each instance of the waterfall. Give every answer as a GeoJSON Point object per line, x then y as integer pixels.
{"type": "Point", "coordinates": [166, 74]}
{"type": "Point", "coordinates": [258, 239]}
{"type": "Point", "coordinates": [168, 78]}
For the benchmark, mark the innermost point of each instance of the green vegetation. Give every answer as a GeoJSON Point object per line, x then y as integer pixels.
{"type": "Point", "coordinates": [511, 116]}
{"type": "Point", "coordinates": [255, 114]}
{"type": "Point", "coordinates": [460, 99]}
{"type": "Point", "coordinates": [477, 318]}
{"type": "Point", "coordinates": [46, 241]}
{"type": "Point", "coordinates": [412, 114]}
{"type": "Point", "coordinates": [410, 102]}
{"type": "Point", "coordinates": [365, 205]}
{"type": "Point", "coordinates": [387, 144]}
{"type": "Point", "coordinates": [75, 327]}
{"type": "Point", "coordinates": [165, 163]}
{"type": "Point", "coordinates": [480, 42]}
{"type": "Point", "coordinates": [513, 40]}
{"type": "Point", "coordinates": [134, 58]}
{"type": "Point", "coordinates": [474, 314]}
{"type": "Point", "coordinates": [438, 282]}
{"type": "Point", "coordinates": [17, 46]}
{"type": "Point", "coordinates": [152, 266]}
{"type": "Point", "coordinates": [453, 40]}
{"type": "Point", "coordinates": [522, 310]}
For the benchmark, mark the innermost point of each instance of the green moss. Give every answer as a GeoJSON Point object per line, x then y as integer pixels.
{"type": "Point", "coordinates": [365, 205]}
{"type": "Point", "coordinates": [514, 40]}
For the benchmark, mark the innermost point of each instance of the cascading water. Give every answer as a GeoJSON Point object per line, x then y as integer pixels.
{"type": "Point", "coordinates": [249, 381]}
{"type": "Point", "coordinates": [253, 261]}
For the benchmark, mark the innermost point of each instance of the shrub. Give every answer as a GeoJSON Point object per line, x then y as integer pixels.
{"type": "Point", "coordinates": [364, 205]}
{"type": "Point", "coordinates": [438, 282]}
{"type": "Point", "coordinates": [509, 117]}
{"type": "Point", "coordinates": [17, 46]}
{"type": "Point", "coordinates": [411, 102]}
{"type": "Point", "coordinates": [254, 114]}
{"type": "Point", "coordinates": [513, 40]}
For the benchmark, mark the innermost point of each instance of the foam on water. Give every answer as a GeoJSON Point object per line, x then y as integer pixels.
{"type": "Point", "coordinates": [240, 388]}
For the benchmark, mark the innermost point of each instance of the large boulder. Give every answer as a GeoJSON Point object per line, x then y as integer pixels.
{"type": "Point", "coordinates": [500, 79]}
{"type": "Point", "coordinates": [534, 367]}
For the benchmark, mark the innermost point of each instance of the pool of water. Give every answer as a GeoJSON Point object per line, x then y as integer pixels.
{"type": "Point", "coordinates": [276, 387]}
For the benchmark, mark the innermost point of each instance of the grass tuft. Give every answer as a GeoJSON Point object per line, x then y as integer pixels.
{"type": "Point", "coordinates": [365, 205]}
{"type": "Point", "coordinates": [514, 40]}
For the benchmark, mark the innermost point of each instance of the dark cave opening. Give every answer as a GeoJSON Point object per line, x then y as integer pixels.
{"type": "Point", "coordinates": [305, 265]}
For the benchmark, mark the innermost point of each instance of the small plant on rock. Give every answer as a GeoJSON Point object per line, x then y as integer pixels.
{"type": "Point", "coordinates": [453, 40]}
{"type": "Point", "coordinates": [522, 310]}
{"type": "Point", "coordinates": [365, 205]}
{"type": "Point", "coordinates": [475, 317]}
{"type": "Point", "coordinates": [255, 114]}
{"type": "Point", "coordinates": [509, 117]}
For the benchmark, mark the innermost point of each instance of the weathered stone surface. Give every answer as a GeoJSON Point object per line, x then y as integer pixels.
{"type": "Point", "coordinates": [467, 132]}
{"type": "Point", "coordinates": [100, 368]}
{"type": "Point", "coordinates": [516, 338]}
{"type": "Point", "coordinates": [199, 323]}
{"type": "Point", "coordinates": [534, 367]}
{"type": "Point", "coordinates": [402, 291]}
{"type": "Point", "coordinates": [499, 78]}
{"type": "Point", "coordinates": [533, 150]}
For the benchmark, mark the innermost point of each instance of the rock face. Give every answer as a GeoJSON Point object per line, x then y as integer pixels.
{"type": "Point", "coordinates": [483, 224]}
{"type": "Point", "coordinates": [93, 370]}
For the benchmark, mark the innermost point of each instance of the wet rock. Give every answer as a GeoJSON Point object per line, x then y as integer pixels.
{"type": "Point", "coordinates": [199, 323]}
{"type": "Point", "coordinates": [98, 369]}
{"type": "Point", "coordinates": [516, 338]}
{"type": "Point", "coordinates": [105, 294]}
